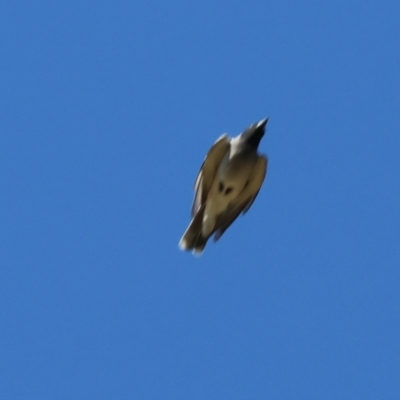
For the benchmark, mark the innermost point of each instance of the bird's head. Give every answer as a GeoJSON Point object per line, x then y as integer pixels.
{"type": "Point", "coordinates": [254, 133]}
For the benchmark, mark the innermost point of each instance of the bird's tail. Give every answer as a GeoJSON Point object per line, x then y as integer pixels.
{"type": "Point", "coordinates": [192, 239]}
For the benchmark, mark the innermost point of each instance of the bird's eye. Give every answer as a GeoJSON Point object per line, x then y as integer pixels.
{"type": "Point", "coordinates": [221, 187]}
{"type": "Point", "coordinates": [228, 190]}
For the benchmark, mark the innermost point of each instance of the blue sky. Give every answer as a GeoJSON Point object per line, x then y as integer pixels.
{"type": "Point", "coordinates": [107, 111]}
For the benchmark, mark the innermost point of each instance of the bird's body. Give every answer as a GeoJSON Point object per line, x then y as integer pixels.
{"type": "Point", "coordinates": [227, 184]}
{"type": "Point", "coordinates": [231, 177]}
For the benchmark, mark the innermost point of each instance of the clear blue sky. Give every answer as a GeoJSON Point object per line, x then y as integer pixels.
{"type": "Point", "coordinates": [107, 111]}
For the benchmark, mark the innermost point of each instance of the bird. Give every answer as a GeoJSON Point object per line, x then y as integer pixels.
{"type": "Point", "coordinates": [227, 184]}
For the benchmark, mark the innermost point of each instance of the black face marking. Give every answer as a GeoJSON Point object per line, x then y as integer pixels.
{"type": "Point", "coordinates": [221, 187]}
{"type": "Point", "coordinates": [228, 190]}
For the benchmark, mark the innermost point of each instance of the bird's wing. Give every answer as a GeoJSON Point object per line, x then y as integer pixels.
{"type": "Point", "coordinates": [245, 198]}
{"type": "Point", "coordinates": [208, 170]}
{"type": "Point", "coordinates": [250, 203]}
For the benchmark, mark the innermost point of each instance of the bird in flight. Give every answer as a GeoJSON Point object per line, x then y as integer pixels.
{"type": "Point", "coordinates": [226, 186]}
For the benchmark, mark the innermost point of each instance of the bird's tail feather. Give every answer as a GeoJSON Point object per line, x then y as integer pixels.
{"type": "Point", "coordinates": [192, 239]}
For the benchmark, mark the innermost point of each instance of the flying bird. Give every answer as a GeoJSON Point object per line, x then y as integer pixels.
{"type": "Point", "coordinates": [226, 186]}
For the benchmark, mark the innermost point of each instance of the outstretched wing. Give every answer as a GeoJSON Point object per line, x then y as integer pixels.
{"type": "Point", "coordinates": [208, 170]}
{"type": "Point", "coordinates": [245, 198]}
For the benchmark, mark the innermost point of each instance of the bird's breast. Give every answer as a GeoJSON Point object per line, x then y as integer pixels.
{"type": "Point", "coordinates": [237, 167]}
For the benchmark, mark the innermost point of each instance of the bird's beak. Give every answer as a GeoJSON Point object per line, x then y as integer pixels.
{"type": "Point", "coordinates": [262, 123]}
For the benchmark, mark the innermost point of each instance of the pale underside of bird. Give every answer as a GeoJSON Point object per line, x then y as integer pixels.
{"type": "Point", "coordinates": [226, 186]}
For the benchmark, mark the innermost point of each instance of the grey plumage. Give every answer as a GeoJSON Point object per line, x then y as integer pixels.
{"type": "Point", "coordinates": [226, 186]}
